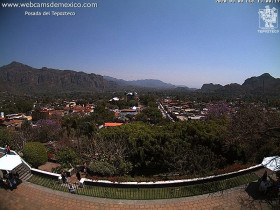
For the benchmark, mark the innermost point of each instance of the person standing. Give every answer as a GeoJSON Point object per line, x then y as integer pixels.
{"type": "Point", "coordinates": [63, 177]}
{"type": "Point", "coordinates": [78, 175]}
{"type": "Point", "coordinates": [8, 149]}
{"type": "Point", "coordinates": [5, 149]}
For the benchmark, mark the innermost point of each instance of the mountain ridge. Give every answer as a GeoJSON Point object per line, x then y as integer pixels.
{"type": "Point", "coordinates": [149, 83]}
{"type": "Point", "coordinates": [20, 78]}
{"type": "Point", "coordinates": [265, 83]}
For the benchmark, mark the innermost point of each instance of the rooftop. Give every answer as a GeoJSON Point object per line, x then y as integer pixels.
{"type": "Point", "coordinates": [112, 124]}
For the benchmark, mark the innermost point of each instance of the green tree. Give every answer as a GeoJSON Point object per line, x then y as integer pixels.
{"type": "Point", "coordinates": [145, 99]}
{"type": "Point", "coordinates": [35, 153]}
{"type": "Point", "coordinates": [67, 158]}
{"type": "Point", "coordinates": [12, 138]}
{"type": "Point", "coordinates": [6, 137]}
{"type": "Point", "coordinates": [24, 106]}
{"type": "Point", "coordinates": [89, 130]}
{"type": "Point", "coordinates": [102, 115]}
{"type": "Point", "coordinates": [150, 114]}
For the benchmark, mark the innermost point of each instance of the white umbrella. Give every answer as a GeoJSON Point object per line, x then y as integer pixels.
{"type": "Point", "coordinates": [272, 163]}
{"type": "Point", "coordinates": [9, 162]}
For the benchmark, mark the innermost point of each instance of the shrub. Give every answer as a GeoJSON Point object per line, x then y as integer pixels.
{"type": "Point", "coordinates": [67, 158]}
{"type": "Point", "coordinates": [102, 168]}
{"type": "Point", "coordinates": [35, 153]}
{"type": "Point", "coordinates": [122, 167]}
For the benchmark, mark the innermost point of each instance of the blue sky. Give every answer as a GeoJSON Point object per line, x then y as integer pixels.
{"type": "Point", "coordinates": [184, 42]}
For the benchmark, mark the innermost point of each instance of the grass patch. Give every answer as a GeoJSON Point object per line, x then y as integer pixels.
{"type": "Point", "coordinates": [148, 193]}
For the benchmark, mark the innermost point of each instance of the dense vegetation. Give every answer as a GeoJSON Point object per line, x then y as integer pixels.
{"type": "Point", "coordinates": [189, 148]}
{"type": "Point", "coordinates": [151, 145]}
{"type": "Point", "coordinates": [35, 153]}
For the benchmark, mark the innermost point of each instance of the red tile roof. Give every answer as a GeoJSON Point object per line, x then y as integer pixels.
{"type": "Point", "coordinates": [112, 124]}
{"type": "Point", "coordinates": [128, 110]}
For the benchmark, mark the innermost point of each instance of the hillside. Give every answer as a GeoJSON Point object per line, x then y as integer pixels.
{"type": "Point", "coordinates": [210, 87]}
{"type": "Point", "coordinates": [263, 84]}
{"type": "Point", "coordinates": [148, 83]}
{"type": "Point", "coordinates": [19, 78]}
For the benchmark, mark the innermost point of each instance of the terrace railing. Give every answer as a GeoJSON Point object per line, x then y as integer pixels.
{"type": "Point", "coordinates": [118, 191]}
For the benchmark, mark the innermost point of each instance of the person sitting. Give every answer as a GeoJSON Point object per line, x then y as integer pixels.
{"type": "Point", "coordinates": [263, 187]}
{"type": "Point", "coordinates": [13, 180]}
{"type": "Point", "coordinates": [16, 176]}
{"type": "Point", "coordinates": [10, 181]}
{"type": "Point", "coordinates": [7, 181]}
{"type": "Point", "coordinates": [4, 184]}
{"type": "Point", "coordinates": [71, 188]}
{"type": "Point", "coordinates": [266, 184]}
{"type": "Point", "coordinates": [263, 184]}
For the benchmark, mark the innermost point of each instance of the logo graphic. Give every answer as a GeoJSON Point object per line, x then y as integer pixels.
{"type": "Point", "coordinates": [268, 20]}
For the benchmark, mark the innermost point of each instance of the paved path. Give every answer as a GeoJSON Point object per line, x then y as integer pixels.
{"type": "Point", "coordinates": [29, 196]}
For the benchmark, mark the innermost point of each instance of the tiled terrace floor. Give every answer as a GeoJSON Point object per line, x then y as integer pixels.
{"type": "Point", "coordinates": [30, 196]}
